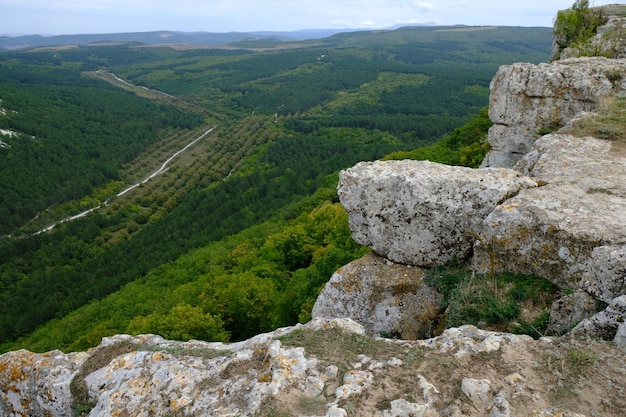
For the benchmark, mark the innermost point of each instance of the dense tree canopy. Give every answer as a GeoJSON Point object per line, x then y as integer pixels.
{"type": "Point", "coordinates": [240, 232]}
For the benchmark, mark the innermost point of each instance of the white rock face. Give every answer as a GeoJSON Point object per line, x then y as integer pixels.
{"type": "Point", "coordinates": [477, 389]}
{"type": "Point", "coordinates": [154, 378]}
{"type": "Point", "coordinates": [571, 309]}
{"type": "Point", "coordinates": [419, 212]}
{"type": "Point", "coordinates": [382, 296]}
{"type": "Point", "coordinates": [572, 230]}
{"type": "Point", "coordinates": [527, 98]}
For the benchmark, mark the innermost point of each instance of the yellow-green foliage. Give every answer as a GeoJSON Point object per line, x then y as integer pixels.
{"type": "Point", "coordinates": [574, 26]}
{"type": "Point", "coordinates": [265, 277]}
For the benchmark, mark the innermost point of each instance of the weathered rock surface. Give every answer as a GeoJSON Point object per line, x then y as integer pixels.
{"type": "Point", "coordinates": [382, 296]}
{"type": "Point", "coordinates": [571, 309]}
{"type": "Point", "coordinates": [572, 230]}
{"type": "Point", "coordinates": [38, 384]}
{"type": "Point", "coordinates": [465, 371]}
{"type": "Point", "coordinates": [527, 99]}
{"type": "Point", "coordinates": [604, 324]}
{"type": "Point", "coordinates": [419, 212]}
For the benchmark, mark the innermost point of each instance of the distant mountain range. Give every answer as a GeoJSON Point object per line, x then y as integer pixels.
{"type": "Point", "coordinates": [166, 37]}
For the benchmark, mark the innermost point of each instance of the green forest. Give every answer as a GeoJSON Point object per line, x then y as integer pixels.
{"type": "Point", "coordinates": [237, 234]}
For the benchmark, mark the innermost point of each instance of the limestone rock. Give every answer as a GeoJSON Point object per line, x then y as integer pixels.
{"type": "Point", "coordinates": [384, 297]}
{"type": "Point", "coordinates": [469, 340]}
{"type": "Point", "coordinates": [38, 384]}
{"type": "Point", "coordinates": [620, 335]}
{"type": "Point", "coordinates": [569, 310]}
{"type": "Point", "coordinates": [403, 408]}
{"type": "Point", "coordinates": [419, 212]}
{"type": "Point", "coordinates": [477, 389]}
{"type": "Point", "coordinates": [604, 324]}
{"type": "Point", "coordinates": [149, 376]}
{"type": "Point", "coordinates": [608, 41]}
{"type": "Point", "coordinates": [148, 372]}
{"type": "Point", "coordinates": [527, 99]}
{"type": "Point", "coordinates": [572, 230]}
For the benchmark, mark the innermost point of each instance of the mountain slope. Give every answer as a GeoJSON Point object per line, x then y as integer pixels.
{"type": "Point", "coordinates": [287, 121]}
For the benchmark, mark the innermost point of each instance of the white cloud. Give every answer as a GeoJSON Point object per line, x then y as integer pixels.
{"type": "Point", "coordinates": [423, 6]}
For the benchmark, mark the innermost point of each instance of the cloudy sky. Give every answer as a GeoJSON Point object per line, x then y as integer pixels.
{"type": "Point", "coordinates": [111, 16]}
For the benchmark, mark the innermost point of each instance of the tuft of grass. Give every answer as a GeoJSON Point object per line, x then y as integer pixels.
{"type": "Point", "coordinates": [609, 122]}
{"type": "Point", "coordinates": [311, 406]}
{"type": "Point", "coordinates": [82, 403]}
{"type": "Point", "coordinates": [179, 351]}
{"type": "Point", "coordinates": [503, 302]}
{"type": "Point", "coordinates": [343, 348]}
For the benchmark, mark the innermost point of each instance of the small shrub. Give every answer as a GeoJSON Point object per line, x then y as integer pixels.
{"type": "Point", "coordinates": [614, 76]}
{"type": "Point", "coordinates": [576, 25]}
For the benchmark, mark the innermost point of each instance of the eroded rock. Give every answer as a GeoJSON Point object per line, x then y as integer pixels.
{"type": "Point", "coordinates": [604, 324]}
{"type": "Point", "coordinates": [572, 230]}
{"type": "Point", "coordinates": [38, 384]}
{"type": "Point", "coordinates": [152, 376]}
{"type": "Point", "coordinates": [419, 212]}
{"type": "Point", "coordinates": [382, 296]}
{"type": "Point", "coordinates": [528, 99]}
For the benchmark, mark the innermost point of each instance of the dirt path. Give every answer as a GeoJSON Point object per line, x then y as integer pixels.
{"type": "Point", "coordinates": [164, 167]}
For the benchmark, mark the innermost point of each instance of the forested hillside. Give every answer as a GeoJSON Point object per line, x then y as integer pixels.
{"type": "Point", "coordinates": [241, 230]}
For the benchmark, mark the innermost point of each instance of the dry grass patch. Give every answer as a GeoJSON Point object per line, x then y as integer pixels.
{"type": "Point", "coordinates": [608, 122]}
{"type": "Point", "coordinates": [334, 347]}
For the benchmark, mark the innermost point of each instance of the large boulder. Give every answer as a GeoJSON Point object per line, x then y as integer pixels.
{"type": "Point", "coordinates": [527, 100]}
{"type": "Point", "coordinates": [384, 297]}
{"type": "Point", "coordinates": [571, 230]}
{"type": "Point", "coordinates": [422, 213]}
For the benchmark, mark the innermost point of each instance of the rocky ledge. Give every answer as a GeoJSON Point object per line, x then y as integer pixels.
{"type": "Point", "coordinates": [324, 368]}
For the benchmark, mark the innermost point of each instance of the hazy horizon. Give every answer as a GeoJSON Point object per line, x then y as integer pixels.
{"type": "Point", "coordinates": [69, 17]}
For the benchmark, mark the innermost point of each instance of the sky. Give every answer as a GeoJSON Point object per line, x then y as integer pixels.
{"type": "Point", "coordinates": [62, 17]}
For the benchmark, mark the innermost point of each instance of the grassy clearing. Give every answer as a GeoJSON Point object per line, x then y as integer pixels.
{"type": "Point", "coordinates": [342, 349]}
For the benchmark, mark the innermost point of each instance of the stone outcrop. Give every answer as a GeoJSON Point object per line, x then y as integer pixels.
{"type": "Point", "coordinates": [419, 212]}
{"type": "Point", "coordinates": [526, 100]}
{"type": "Point", "coordinates": [559, 213]}
{"type": "Point", "coordinates": [384, 297]}
{"type": "Point", "coordinates": [571, 230]}
{"type": "Point", "coordinates": [38, 384]}
{"type": "Point", "coordinates": [465, 371]}
{"type": "Point", "coordinates": [605, 324]}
